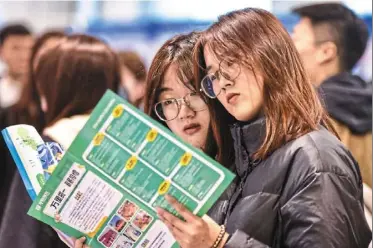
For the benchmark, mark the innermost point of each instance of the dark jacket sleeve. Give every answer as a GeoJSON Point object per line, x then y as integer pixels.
{"type": "Point", "coordinates": [325, 212]}
{"type": "Point", "coordinates": [218, 211]}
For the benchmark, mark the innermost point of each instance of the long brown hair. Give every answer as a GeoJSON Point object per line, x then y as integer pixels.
{"type": "Point", "coordinates": [74, 75]}
{"type": "Point", "coordinates": [29, 103]}
{"type": "Point", "coordinates": [179, 50]}
{"type": "Point", "coordinates": [255, 39]}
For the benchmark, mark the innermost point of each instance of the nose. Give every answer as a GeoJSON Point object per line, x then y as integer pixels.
{"type": "Point", "coordinates": [225, 83]}
{"type": "Point", "coordinates": [185, 111]}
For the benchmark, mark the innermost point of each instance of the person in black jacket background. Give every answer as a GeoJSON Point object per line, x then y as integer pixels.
{"type": "Point", "coordinates": [298, 184]}
{"type": "Point", "coordinates": [331, 39]}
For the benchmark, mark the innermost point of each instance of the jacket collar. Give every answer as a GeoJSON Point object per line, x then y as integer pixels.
{"type": "Point", "coordinates": [247, 138]}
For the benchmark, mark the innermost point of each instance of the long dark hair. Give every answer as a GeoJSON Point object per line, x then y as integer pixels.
{"type": "Point", "coordinates": [255, 39]}
{"type": "Point", "coordinates": [74, 75]}
{"type": "Point", "coordinates": [179, 50]}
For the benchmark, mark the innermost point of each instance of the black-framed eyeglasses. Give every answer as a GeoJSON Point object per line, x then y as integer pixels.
{"type": "Point", "coordinates": [169, 109]}
{"type": "Point", "coordinates": [210, 84]}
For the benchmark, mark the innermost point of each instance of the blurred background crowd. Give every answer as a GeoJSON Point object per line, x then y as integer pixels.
{"type": "Point", "coordinates": [135, 30]}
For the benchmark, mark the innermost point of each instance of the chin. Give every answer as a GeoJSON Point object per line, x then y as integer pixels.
{"type": "Point", "coordinates": [243, 116]}
{"type": "Point", "coordinates": [195, 144]}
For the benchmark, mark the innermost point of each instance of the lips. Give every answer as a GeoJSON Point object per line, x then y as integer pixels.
{"type": "Point", "coordinates": [231, 97]}
{"type": "Point", "coordinates": [192, 128]}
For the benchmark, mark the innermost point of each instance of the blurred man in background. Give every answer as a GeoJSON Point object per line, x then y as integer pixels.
{"type": "Point", "coordinates": [133, 78]}
{"type": "Point", "coordinates": [331, 39]}
{"type": "Point", "coordinates": [15, 47]}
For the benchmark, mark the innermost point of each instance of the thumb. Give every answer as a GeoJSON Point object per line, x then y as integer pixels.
{"type": "Point", "coordinates": [79, 242]}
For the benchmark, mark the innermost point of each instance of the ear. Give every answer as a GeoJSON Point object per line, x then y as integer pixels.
{"type": "Point", "coordinates": [326, 52]}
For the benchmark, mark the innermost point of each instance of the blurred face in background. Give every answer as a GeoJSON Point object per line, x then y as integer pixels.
{"type": "Point", "coordinates": [135, 88]}
{"type": "Point", "coordinates": [304, 40]}
{"type": "Point", "coordinates": [316, 48]}
{"type": "Point", "coordinates": [15, 52]}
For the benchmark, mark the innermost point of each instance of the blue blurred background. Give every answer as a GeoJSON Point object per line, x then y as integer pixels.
{"type": "Point", "coordinates": [143, 26]}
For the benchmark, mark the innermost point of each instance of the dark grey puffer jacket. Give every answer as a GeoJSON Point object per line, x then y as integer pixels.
{"type": "Point", "coordinates": [308, 193]}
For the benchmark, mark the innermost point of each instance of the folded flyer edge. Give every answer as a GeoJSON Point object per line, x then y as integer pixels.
{"type": "Point", "coordinates": [26, 180]}
{"type": "Point", "coordinates": [21, 169]}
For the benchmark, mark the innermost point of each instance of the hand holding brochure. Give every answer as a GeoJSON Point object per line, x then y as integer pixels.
{"type": "Point", "coordinates": [117, 170]}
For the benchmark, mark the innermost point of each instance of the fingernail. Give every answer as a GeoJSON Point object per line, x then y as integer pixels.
{"type": "Point", "coordinates": [83, 238]}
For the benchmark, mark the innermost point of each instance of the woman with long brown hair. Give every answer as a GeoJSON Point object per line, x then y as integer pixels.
{"type": "Point", "coordinates": [298, 185]}
{"type": "Point", "coordinates": [71, 78]}
{"type": "Point", "coordinates": [172, 99]}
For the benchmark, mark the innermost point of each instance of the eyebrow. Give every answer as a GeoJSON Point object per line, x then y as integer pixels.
{"type": "Point", "coordinates": [164, 89]}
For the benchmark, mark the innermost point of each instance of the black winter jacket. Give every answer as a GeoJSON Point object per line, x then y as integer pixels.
{"type": "Point", "coordinates": [308, 193]}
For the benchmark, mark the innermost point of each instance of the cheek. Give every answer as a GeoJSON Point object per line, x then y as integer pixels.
{"type": "Point", "coordinates": [205, 120]}
{"type": "Point", "coordinates": [256, 91]}
{"type": "Point", "coordinates": [221, 98]}
{"type": "Point", "coordinates": [205, 117]}
{"type": "Point", "coordinates": [174, 127]}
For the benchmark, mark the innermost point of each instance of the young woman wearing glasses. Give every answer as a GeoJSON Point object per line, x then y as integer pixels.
{"type": "Point", "coordinates": [171, 99]}
{"type": "Point", "coordinates": [298, 185]}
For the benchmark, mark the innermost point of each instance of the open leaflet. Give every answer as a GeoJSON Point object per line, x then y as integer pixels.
{"type": "Point", "coordinates": [115, 173]}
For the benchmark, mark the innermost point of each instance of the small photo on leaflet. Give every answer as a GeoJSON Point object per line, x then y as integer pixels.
{"type": "Point", "coordinates": [128, 210]}
{"type": "Point", "coordinates": [117, 223]}
{"type": "Point", "coordinates": [132, 233]}
{"type": "Point", "coordinates": [145, 243]}
{"type": "Point", "coordinates": [107, 237]}
{"type": "Point", "coordinates": [123, 242]}
{"type": "Point", "coordinates": [142, 220]}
